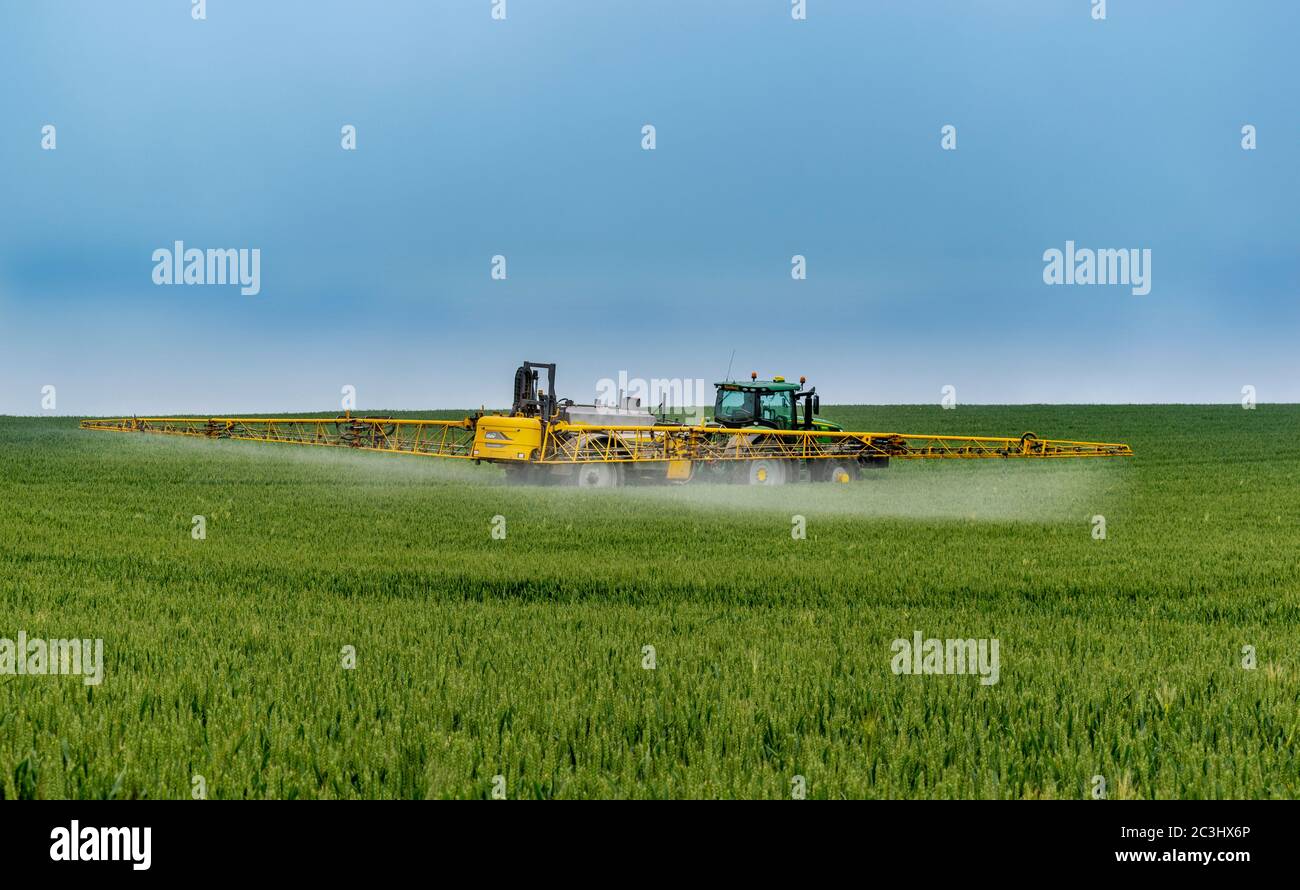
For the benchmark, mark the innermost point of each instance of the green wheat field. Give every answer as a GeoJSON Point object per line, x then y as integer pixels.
{"type": "Point", "coordinates": [524, 657]}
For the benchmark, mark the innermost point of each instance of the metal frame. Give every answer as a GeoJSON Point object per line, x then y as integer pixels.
{"type": "Point", "coordinates": [581, 443]}
{"type": "Point", "coordinates": [565, 443]}
{"type": "Point", "coordinates": [435, 438]}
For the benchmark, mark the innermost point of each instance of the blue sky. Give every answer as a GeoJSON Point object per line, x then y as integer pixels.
{"type": "Point", "coordinates": [522, 137]}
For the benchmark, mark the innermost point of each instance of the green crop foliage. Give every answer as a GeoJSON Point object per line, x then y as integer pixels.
{"type": "Point", "coordinates": [523, 657]}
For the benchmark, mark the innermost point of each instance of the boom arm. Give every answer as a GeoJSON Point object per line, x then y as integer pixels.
{"type": "Point", "coordinates": [436, 438]}
{"type": "Point", "coordinates": [566, 443]}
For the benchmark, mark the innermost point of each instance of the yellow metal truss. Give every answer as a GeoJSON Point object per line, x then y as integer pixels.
{"type": "Point", "coordinates": [435, 438]}
{"type": "Point", "coordinates": [566, 443]}
{"type": "Point", "coordinates": [581, 443]}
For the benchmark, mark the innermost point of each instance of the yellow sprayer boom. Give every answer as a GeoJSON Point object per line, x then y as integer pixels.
{"type": "Point", "coordinates": [543, 437]}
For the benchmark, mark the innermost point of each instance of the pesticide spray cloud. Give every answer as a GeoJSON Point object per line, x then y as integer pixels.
{"type": "Point", "coordinates": [1021, 491]}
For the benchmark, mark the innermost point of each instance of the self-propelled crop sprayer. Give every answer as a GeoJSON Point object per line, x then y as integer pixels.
{"type": "Point", "coordinates": [763, 432]}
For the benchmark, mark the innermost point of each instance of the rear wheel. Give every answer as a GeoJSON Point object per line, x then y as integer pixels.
{"type": "Point", "coordinates": [599, 475]}
{"type": "Point", "coordinates": [839, 471]}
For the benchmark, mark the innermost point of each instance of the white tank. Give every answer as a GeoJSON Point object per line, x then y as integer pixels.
{"type": "Point", "coordinates": [628, 412]}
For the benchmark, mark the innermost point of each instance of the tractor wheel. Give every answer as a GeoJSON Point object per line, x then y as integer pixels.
{"type": "Point", "coordinates": [841, 471]}
{"type": "Point", "coordinates": [597, 475]}
{"type": "Point", "coordinates": [715, 471]}
{"type": "Point", "coordinates": [521, 474]}
{"type": "Point", "coordinates": [766, 471]}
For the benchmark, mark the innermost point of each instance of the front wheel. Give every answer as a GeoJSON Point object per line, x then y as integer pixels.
{"type": "Point", "coordinates": [766, 471]}
{"type": "Point", "coordinates": [522, 474]}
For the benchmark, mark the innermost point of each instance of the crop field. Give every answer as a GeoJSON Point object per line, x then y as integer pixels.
{"type": "Point", "coordinates": [525, 657]}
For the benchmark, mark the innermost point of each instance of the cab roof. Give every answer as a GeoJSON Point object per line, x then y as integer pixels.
{"type": "Point", "coordinates": [756, 385]}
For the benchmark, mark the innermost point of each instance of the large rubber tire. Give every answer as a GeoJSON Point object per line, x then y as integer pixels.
{"type": "Point", "coordinates": [765, 471]}
{"type": "Point", "coordinates": [522, 474]}
{"type": "Point", "coordinates": [714, 472]}
{"type": "Point", "coordinates": [840, 471]}
{"type": "Point", "coordinates": [598, 475]}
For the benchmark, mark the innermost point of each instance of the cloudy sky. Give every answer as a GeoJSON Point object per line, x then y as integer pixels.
{"type": "Point", "coordinates": [523, 138]}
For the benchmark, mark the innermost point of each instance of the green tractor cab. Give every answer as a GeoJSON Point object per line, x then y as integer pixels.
{"type": "Point", "coordinates": [774, 404]}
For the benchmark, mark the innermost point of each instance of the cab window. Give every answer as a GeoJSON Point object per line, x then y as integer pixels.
{"type": "Point", "coordinates": [777, 407]}
{"type": "Point", "coordinates": [735, 405]}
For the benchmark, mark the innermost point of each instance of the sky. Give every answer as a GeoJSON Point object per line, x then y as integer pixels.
{"type": "Point", "coordinates": [523, 138]}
